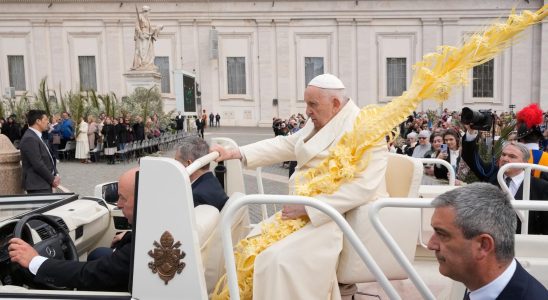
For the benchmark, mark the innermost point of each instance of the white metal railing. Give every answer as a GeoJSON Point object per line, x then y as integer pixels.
{"type": "Point", "coordinates": [523, 216]}
{"type": "Point", "coordinates": [202, 161]}
{"type": "Point", "coordinates": [232, 208]}
{"type": "Point", "coordinates": [260, 190]}
{"type": "Point", "coordinates": [443, 162]}
{"type": "Point", "coordinates": [375, 208]}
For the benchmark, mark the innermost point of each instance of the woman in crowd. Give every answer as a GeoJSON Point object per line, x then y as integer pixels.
{"type": "Point", "coordinates": [436, 139]}
{"type": "Point", "coordinates": [82, 142]}
{"type": "Point", "coordinates": [93, 131]}
{"type": "Point", "coordinates": [121, 133]}
{"type": "Point", "coordinates": [55, 135]}
{"type": "Point", "coordinates": [452, 155]}
{"type": "Point", "coordinates": [109, 138]}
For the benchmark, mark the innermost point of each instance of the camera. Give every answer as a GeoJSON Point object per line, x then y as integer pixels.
{"type": "Point", "coordinates": [480, 120]}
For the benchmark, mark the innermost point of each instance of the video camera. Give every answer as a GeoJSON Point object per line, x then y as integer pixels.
{"type": "Point", "coordinates": [480, 120]}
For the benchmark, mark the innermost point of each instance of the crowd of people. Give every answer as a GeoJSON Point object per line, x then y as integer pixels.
{"type": "Point", "coordinates": [89, 133]}
{"type": "Point", "coordinates": [429, 135]}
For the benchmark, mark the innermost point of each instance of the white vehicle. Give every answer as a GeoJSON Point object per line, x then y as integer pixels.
{"type": "Point", "coordinates": [164, 207]}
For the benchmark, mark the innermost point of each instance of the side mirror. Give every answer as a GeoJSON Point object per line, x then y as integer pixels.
{"type": "Point", "coordinates": [110, 193]}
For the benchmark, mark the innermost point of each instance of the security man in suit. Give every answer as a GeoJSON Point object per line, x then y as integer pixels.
{"type": "Point", "coordinates": [512, 152]}
{"type": "Point", "coordinates": [39, 170]}
{"type": "Point", "coordinates": [474, 244]}
{"type": "Point", "coordinates": [107, 273]}
{"type": "Point", "coordinates": [206, 189]}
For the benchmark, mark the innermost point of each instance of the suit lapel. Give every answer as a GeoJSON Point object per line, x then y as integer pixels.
{"type": "Point", "coordinates": [516, 286]}
{"type": "Point", "coordinates": [321, 140]}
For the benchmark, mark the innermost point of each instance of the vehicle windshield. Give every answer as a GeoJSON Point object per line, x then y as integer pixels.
{"type": "Point", "coordinates": [14, 206]}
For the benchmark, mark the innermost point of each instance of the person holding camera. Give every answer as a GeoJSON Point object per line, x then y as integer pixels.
{"type": "Point", "coordinates": [512, 152]}
{"type": "Point", "coordinates": [450, 152]}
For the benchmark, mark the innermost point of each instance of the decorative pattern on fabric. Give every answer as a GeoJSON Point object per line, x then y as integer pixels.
{"type": "Point", "coordinates": [434, 78]}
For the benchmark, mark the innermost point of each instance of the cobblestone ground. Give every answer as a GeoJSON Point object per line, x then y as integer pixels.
{"type": "Point", "coordinates": [82, 178]}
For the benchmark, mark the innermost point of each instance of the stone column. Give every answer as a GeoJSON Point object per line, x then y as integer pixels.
{"type": "Point", "coordinates": [544, 65]}
{"type": "Point", "coordinates": [432, 35]}
{"type": "Point", "coordinates": [283, 68]}
{"type": "Point", "coordinates": [265, 37]}
{"type": "Point", "coordinates": [346, 66]}
{"type": "Point", "coordinates": [10, 168]}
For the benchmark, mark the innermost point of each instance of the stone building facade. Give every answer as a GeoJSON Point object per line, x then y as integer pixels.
{"type": "Point", "coordinates": [252, 59]}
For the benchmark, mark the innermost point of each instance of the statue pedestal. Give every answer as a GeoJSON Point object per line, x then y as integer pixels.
{"type": "Point", "coordinates": [10, 168]}
{"type": "Point", "coordinates": [144, 79]}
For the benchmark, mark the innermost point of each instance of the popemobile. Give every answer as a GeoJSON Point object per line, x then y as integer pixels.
{"type": "Point", "coordinates": [180, 251]}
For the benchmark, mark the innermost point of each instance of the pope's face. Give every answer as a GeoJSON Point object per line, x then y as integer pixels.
{"type": "Point", "coordinates": [320, 107]}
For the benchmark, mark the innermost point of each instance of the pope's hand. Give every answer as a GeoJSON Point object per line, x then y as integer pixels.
{"type": "Point", "coordinates": [292, 211]}
{"type": "Point", "coordinates": [21, 252]}
{"type": "Point", "coordinates": [225, 154]}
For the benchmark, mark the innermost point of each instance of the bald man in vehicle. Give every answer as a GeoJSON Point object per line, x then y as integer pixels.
{"type": "Point", "coordinates": [107, 273]}
{"type": "Point", "coordinates": [303, 265]}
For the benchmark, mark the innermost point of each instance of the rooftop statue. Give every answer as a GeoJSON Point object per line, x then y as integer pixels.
{"type": "Point", "coordinates": [145, 36]}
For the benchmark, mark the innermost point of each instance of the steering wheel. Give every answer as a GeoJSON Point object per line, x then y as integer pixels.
{"type": "Point", "coordinates": [58, 246]}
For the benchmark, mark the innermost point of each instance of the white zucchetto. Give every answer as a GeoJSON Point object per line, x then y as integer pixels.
{"type": "Point", "coordinates": [327, 81]}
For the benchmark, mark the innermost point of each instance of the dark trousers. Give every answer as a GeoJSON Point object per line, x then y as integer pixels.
{"type": "Point", "coordinates": [42, 191]}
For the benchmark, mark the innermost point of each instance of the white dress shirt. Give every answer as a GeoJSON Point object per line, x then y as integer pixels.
{"type": "Point", "coordinates": [515, 183]}
{"type": "Point", "coordinates": [493, 289]}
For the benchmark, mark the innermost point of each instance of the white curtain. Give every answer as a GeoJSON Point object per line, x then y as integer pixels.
{"type": "Point", "coordinates": [162, 62]}
{"type": "Point", "coordinates": [396, 73]}
{"type": "Point", "coordinates": [88, 78]}
{"type": "Point", "coordinates": [236, 75]}
{"type": "Point", "coordinates": [16, 69]}
{"type": "Point", "coordinates": [313, 66]}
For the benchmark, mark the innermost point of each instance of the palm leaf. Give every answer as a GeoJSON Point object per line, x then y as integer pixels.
{"type": "Point", "coordinates": [42, 96]}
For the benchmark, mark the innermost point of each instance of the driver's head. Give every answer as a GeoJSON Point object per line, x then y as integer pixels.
{"type": "Point", "coordinates": [126, 193]}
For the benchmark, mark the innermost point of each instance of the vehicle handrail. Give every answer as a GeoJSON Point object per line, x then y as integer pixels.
{"type": "Point", "coordinates": [202, 161]}
{"type": "Point", "coordinates": [443, 162]}
{"type": "Point", "coordinates": [260, 190]}
{"type": "Point", "coordinates": [231, 209]}
{"type": "Point", "coordinates": [523, 216]}
{"type": "Point", "coordinates": [374, 211]}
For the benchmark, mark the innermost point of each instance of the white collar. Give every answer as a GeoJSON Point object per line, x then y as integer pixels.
{"type": "Point", "coordinates": [38, 133]}
{"type": "Point", "coordinates": [532, 146]}
{"type": "Point", "coordinates": [493, 289]}
{"type": "Point", "coordinates": [518, 179]}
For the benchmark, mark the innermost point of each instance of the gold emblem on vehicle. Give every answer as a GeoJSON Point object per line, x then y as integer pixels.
{"type": "Point", "coordinates": [167, 257]}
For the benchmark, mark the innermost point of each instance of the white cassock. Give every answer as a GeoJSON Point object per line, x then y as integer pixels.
{"type": "Point", "coordinates": [303, 265]}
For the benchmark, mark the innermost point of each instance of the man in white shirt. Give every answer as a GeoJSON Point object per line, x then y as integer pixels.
{"type": "Point", "coordinates": [474, 244]}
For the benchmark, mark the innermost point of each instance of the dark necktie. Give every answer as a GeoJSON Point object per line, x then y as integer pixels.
{"type": "Point", "coordinates": [466, 295]}
{"type": "Point", "coordinates": [508, 180]}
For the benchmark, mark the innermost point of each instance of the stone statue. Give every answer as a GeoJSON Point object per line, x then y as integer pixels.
{"type": "Point", "coordinates": [145, 36]}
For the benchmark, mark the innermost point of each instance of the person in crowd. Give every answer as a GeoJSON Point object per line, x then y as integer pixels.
{"type": "Point", "coordinates": [179, 121]}
{"type": "Point", "coordinates": [139, 129]}
{"type": "Point", "coordinates": [436, 140]}
{"type": "Point", "coordinates": [512, 152]}
{"type": "Point", "coordinates": [451, 154]}
{"type": "Point", "coordinates": [93, 132]}
{"type": "Point", "coordinates": [67, 129]}
{"type": "Point", "coordinates": [529, 133]}
{"type": "Point", "coordinates": [2, 122]}
{"type": "Point", "coordinates": [121, 133]}
{"type": "Point", "coordinates": [200, 125]}
{"type": "Point", "coordinates": [474, 244]}
{"type": "Point", "coordinates": [106, 273]}
{"type": "Point", "coordinates": [410, 144]}
{"type": "Point", "coordinates": [218, 120]}
{"type": "Point", "coordinates": [109, 140]}
{"type": "Point", "coordinates": [55, 136]}
{"type": "Point", "coordinates": [40, 174]}
{"type": "Point", "coordinates": [206, 188]}
{"type": "Point", "coordinates": [423, 146]}
{"type": "Point", "coordinates": [331, 114]}
{"type": "Point", "coordinates": [82, 142]}
{"type": "Point", "coordinates": [211, 119]}
{"type": "Point", "coordinates": [12, 129]}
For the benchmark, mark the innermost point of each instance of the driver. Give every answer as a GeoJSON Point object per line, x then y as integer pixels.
{"type": "Point", "coordinates": [108, 273]}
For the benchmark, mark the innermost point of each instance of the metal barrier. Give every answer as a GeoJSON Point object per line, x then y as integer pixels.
{"type": "Point", "coordinates": [375, 208]}
{"type": "Point", "coordinates": [362, 251]}
{"type": "Point", "coordinates": [523, 216]}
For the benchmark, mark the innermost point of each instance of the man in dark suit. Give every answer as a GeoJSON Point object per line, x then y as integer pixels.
{"type": "Point", "coordinates": [39, 171]}
{"type": "Point", "coordinates": [179, 121]}
{"type": "Point", "coordinates": [474, 244]}
{"type": "Point", "coordinates": [206, 189]}
{"type": "Point", "coordinates": [512, 152]}
{"type": "Point", "coordinates": [200, 125]}
{"type": "Point", "coordinates": [108, 272]}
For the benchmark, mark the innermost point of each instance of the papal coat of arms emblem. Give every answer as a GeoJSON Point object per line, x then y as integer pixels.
{"type": "Point", "coordinates": [167, 257]}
